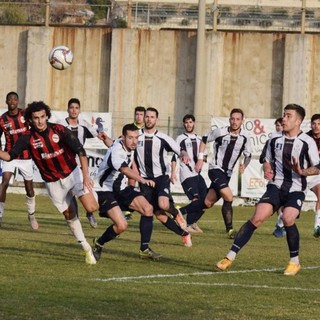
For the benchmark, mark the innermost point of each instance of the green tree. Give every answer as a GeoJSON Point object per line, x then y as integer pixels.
{"type": "Point", "coordinates": [99, 7]}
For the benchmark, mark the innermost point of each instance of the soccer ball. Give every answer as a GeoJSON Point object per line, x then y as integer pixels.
{"type": "Point", "coordinates": [61, 57]}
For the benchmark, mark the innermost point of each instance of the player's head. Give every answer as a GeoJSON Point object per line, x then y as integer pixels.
{"type": "Point", "coordinates": [74, 108]}
{"type": "Point", "coordinates": [37, 114]}
{"type": "Point", "coordinates": [278, 124]}
{"type": "Point", "coordinates": [293, 116]}
{"type": "Point", "coordinates": [12, 100]}
{"type": "Point", "coordinates": [236, 119]}
{"type": "Point", "coordinates": [130, 134]}
{"type": "Point", "coordinates": [188, 122]}
{"type": "Point", "coordinates": [151, 117]}
{"type": "Point", "coordinates": [315, 124]}
{"type": "Point", "coordinates": [139, 113]}
{"type": "Point", "coordinates": [301, 113]}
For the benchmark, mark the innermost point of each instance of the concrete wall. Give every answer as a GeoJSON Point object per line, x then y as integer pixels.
{"type": "Point", "coordinates": [116, 70]}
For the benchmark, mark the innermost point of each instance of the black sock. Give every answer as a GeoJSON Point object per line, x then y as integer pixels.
{"type": "Point", "coordinates": [293, 240]}
{"type": "Point", "coordinates": [107, 236]}
{"type": "Point", "coordinates": [194, 217]}
{"type": "Point", "coordinates": [243, 236]}
{"type": "Point", "coordinates": [146, 227]}
{"type": "Point", "coordinates": [193, 206]}
{"type": "Point", "coordinates": [172, 209]}
{"type": "Point", "coordinates": [172, 225]}
{"type": "Point", "coordinates": [227, 214]}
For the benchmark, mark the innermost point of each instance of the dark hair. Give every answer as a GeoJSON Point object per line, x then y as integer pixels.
{"type": "Point", "coordinates": [12, 93]}
{"type": "Point", "coordinates": [316, 116]}
{"type": "Point", "coordinates": [140, 109]}
{"type": "Point", "coordinates": [129, 127]}
{"type": "Point", "coordinates": [73, 100]}
{"type": "Point", "coordinates": [189, 116]}
{"type": "Point", "coordinates": [278, 120]}
{"type": "Point", "coordinates": [36, 106]}
{"type": "Point", "coordinates": [298, 109]}
{"type": "Point", "coordinates": [153, 110]}
{"type": "Point", "coordinates": [236, 110]}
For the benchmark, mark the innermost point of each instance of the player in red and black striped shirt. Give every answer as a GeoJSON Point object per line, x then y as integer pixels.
{"type": "Point", "coordinates": [12, 126]}
{"type": "Point", "coordinates": [53, 149]}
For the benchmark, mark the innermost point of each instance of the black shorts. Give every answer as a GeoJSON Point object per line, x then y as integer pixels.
{"type": "Point", "coordinates": [195, 187]}
{"type": "Point", "coordinates": [108, 200]}
{"type": "Point", "coordinates": [279, 198]}
{"type": "Point", "coordinates": [219, 180]}
{"type": "Point", "coordinates": [162, 188]}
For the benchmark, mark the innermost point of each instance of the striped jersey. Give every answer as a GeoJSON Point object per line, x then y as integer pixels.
{"type": "Point", "coordinates": [280, 151]}
{"type": "Point", "coordinates": [227, 148]}
{"type": "Point", "coordinates": [83, 130]}
{"type": "Point", "coordinates": [13, 127]}
{"type": "Point", "coordinates": [52, 150]}
{"type": "Point", "coordinates": [151, 153]}
{"type": "Point", "coordinates": [190, 143]}
{"type": "Point", "coordinates": [109, 176]}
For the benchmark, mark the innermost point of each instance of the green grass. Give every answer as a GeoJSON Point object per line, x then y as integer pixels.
{"type": "Point", "coordinates": [43, 274]}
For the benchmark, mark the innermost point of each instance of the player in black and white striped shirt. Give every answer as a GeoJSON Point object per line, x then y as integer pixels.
{"type": "Point", "coordinates": [150, 158]}
{"type": "Point", "coordinates": [229, 143]}
{"type": "Point", "coordinates": [290, 157]}
{"type": "Point", "coordinates": [192, 182]}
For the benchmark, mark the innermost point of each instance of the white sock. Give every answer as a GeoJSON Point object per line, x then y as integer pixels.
{"type": "Point", "coordinates": [317, 218]}
{"type": "Point", "coordinates": [31, 204]}
{"type": "Point", "coordinates": [231, 255]}
{"type": "Point", "coordinates": [295, 260]}
{"type": "Point", "coordinates": [280, 222]}
{"type": "Point", "coordinates": [76, 229]}
{"type": "Point", "coordinates": [1, 208]}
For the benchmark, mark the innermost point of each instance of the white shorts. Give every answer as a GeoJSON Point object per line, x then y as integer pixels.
{"type": "Point", "coordinates": [313, 181]}
{"type": "Point", "coordinates": [62, 191]}
{"type": "Point", "coordinates": [25, 167]}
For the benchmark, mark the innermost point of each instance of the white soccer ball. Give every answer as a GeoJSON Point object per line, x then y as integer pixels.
{"type": "Point", "coordinates": [61, 57]}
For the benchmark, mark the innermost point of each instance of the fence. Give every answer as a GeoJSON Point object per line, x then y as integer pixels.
{"type": "Point", "coordinates": [161, 16]}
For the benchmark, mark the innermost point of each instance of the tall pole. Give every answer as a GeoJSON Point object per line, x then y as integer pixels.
{"type": "Point", "coordinates": [47, 14]}
{"type": "Point", "coordinates": [303, 16]}
{"type": "Point", "coordinates": [129, 22]}
{"type": "Point", "coordinates": [200, 83]}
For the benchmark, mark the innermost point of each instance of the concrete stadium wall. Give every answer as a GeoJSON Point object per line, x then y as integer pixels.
{"type": "Point", "coordinates": [115, 70]}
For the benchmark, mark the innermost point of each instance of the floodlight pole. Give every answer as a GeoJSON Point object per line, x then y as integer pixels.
{"type": "Point", "coordinates": [303, 16]}
{"type": "Point", "coordinates": [200, 83]}
{"type": "Point", "coordinates": [47, 14]}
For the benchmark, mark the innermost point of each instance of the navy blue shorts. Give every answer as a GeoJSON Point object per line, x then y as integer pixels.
{"type": "Point", "coordinates": [219, 180]}
{"type": "Point", "coordinates": [162, 188]}
{"type": "Point", "coordinates": [108, 200]}
{"type": "Point", "coordinates": [279, 198]}
{"type": "Point", "coordinates": [195, 187]}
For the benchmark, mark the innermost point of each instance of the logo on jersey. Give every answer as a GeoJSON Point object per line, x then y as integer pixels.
{"type": "Point", "coordinates": [279, 146]}
{"type": "Point", "coordinates": [22, 119]}
{"type": "Point", "coordinates": [37, 144]}
{"type": "Point", "coordinates": [140, 143]}
{"type": "Point", "coordinates": [55, 138]}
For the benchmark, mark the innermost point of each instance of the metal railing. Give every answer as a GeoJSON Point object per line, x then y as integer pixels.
{"type": "Point", "coordinates": [159, 16]}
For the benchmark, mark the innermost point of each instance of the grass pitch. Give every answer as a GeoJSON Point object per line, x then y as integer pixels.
{"type": "Point", "coordinates": [43, 274]}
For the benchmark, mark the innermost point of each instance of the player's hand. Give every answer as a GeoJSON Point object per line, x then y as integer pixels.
{"type": "Point", "coordinates": [87, 183]}
{"type": "Point", "coordinates": [198, 165]}
{"type": "Point", "coordinates": [173, 178]}
{"type": "Point", "coordinates": [149, 183]}
{"type": "Point", "coordinates": [295, 166]}
{"type": "Point", "coordinates": [268, 174]}
{"type": "Point", "coordinates": [242, 168]}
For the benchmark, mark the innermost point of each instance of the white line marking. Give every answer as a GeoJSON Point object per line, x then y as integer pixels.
{"type": "Point", "coordinates": [178, 275]}
{"type": "Point", "coordinates": [237, 285]}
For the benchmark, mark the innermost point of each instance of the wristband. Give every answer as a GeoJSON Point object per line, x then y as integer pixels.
{"type": "Point", "coordinates": [200, 156]}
